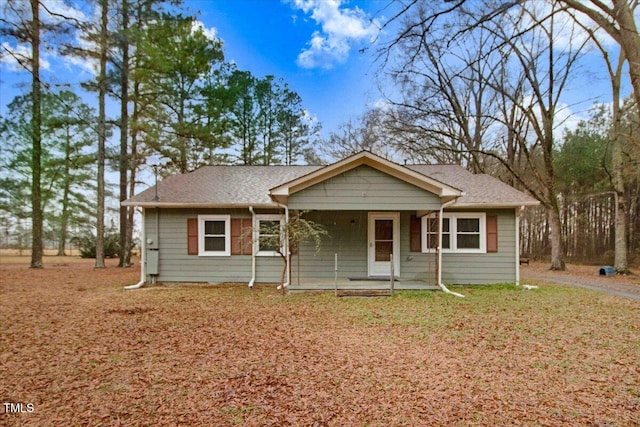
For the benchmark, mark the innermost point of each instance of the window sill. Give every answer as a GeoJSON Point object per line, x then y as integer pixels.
{"type": "Point", "coordinates": [214, 254]}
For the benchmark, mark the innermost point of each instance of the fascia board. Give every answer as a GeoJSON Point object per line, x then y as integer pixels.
{"type": "Point", "coordinates": [198, 205]}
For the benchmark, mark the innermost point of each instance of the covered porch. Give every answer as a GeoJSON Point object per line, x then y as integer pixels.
{"type": "Point", "coordinates": [371, 209]}
{"type": "Point", "coordinates": [363, 250]}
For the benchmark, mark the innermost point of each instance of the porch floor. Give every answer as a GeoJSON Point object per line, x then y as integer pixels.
{"type": "Point", "coordinates": [321, 284]}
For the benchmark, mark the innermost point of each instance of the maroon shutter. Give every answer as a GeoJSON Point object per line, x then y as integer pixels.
{"type": "Point", "coordinates": [247, 225]}
{"type": "Point", "coordinates": [236, 232]}
{"type": "Point", "coordinates": [247, 245]}
{"type": "Point", "coordinates": [492, 234]}
{"type": "Point", "coordinates": [241, 236]}
{"type": "Point", "coordinates": [192, 236]}
{"type": "Point", "coordinates": [415, 234]}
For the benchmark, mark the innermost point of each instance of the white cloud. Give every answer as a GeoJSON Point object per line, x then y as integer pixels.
{"type": "Point", "coordinates": [380, 104]}
{"type": "Point", "coordinates": [210, 33]}
{"type": "Point", "coordinates": [18, 58]}
{"type": "Point", "coordinates": [341, 28]}
{"type": "Point", "coordinates": [569, 26]}
{"type": "Point", "coordinates": [60, 9]}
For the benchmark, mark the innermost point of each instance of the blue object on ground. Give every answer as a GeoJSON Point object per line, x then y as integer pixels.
{"type": "Point", "coordinates": [607, 270]}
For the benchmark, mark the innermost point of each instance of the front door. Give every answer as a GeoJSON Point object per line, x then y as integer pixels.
{"type": "Point", "coordinates": [384, 241]}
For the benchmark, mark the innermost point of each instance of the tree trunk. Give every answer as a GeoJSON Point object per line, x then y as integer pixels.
{"type": "Point", "coordinates": [630, 42]}
{"type": "Point", "coordinates": [102, 136]}
{"type": "Point", "coordinates": [557, 250]}
{"type": "Point", "coordinates": [620, 261]}
{"type": "Point", "coordinates": [37, 248]}
{"type": "Point", "coordinates": [125, 246]}
{"type": "Point", "coordinates": [64, 216]}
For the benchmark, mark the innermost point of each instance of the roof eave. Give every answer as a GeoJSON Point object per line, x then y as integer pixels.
{"type": "Point", "coordinates": [182, 205]}
{"type": "Point", "coordinates": [492, 205]}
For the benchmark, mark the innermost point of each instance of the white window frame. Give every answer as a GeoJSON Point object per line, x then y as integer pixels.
{"type": "Point", "coordinates": [227, 235]}
{"type": "Point", "coordinates": [267, 217]}
{"type": "Point", "coordinates": [453, 232]}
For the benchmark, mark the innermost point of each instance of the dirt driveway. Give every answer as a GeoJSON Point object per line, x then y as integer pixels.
{"type": "Point", "coordinates": [583, 276]}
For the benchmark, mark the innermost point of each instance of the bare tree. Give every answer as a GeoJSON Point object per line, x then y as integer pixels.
{"type": "Point", "coordinates": [365, 133]}
{"type": "Point", "coordinates": [448, 104]}
{"type": "Point", "coordinates": [615, 69]}
{"type": "Point", "coordinates": [487, 106]}
{"type": "Point", "coordinates": [618, 20]}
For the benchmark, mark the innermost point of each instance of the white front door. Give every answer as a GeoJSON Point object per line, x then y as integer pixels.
{"type": "Point", "coordinates": [384, 241]}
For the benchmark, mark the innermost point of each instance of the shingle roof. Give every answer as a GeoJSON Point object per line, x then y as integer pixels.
{"type": "Point", "coordinates": [221, 186]}
{"type": "Point", "coordinates": [227, 186]}
{"type": "Point", "coordinates": [479, 189]}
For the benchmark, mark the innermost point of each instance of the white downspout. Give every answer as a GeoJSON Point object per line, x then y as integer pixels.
{"type": "Point", "coordinates": [442, 286]}
{"type": "Point", "coordinates": [253, 248]}
{"type": "Point", "coordinates": [143, 257]}
{"type": "Point", "coordinates": [286, 222]}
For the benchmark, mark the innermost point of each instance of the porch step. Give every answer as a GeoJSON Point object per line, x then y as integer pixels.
{"type": "Point", "coordinates": [363, 292]}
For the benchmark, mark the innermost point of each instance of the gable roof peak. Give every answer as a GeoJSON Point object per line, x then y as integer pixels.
{"type": "Point", "coordinates": [281, 192]}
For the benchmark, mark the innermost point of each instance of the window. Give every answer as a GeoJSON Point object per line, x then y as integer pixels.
{"type": "Point", "coordinates": [269, 234]}
{"type": "Point", "coordinates": [431, 238]}
{"type": "Point", "coordinates": [461, 232]}
{"type": "Point", "coordinates": [214, 235]}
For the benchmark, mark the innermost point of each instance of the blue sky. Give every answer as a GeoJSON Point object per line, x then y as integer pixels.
{"type": "Point", "coordinates": [312, 44]}
{"type": "Point", "coordinates": [275, 37]}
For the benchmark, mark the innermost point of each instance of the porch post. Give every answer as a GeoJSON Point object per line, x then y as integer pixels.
{"type": "Point", "coordinates": [517, 215]}
{"type": "Point", "coordinates": [439, 249]}
{"type": "Point", "coordinates": [286, 224]}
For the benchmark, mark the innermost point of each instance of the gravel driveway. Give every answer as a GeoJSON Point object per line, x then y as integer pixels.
{"type": "Point", "coordinates": [607, 285]}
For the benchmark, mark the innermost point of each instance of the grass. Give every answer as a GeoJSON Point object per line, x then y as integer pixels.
{"type": "Point", "coordinates": [86, 352]}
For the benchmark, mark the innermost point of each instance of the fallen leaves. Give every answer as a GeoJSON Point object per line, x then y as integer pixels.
{"type": "Point", "coordinates": [85, 352]}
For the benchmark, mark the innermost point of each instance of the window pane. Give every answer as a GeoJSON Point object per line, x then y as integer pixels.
{"type": "Point", "coordinates": [432, 225]}
{"type": "Point", "coordinates": [269, 227]}
{"type": "Point", "coordinates": [446, 241]}
{"type": "Point", "coordinates": [432, 241]}
{"type": "Point", "coordinates": [468, 241]}
{"type": "Point", "coordinates": [268, 244]}
{"type": "Point", "coordinates": [383, 251]}
{"type": "Point", "coordinates": [468, 225]}
{"type": "Point", "coordinates": [384, 229]}
{"type": "Point", "coordinates": [214, 244]}
{"type": "Point", "coordinates": [214, 227]}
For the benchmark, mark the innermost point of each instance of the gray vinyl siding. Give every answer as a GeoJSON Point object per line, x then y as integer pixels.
{"type": "Point", "coordinates": [347, 237]}
{"type": "Point", "coordinates": [364, 188]}
{"type": "Point", "coordinates": [176, 266]}
{"type": "Point", "coordinates": [478, 269]}
{"type": "Point", "coordinates": [414, 265]}
{"type": "Point", "coordinates": [349, 241]}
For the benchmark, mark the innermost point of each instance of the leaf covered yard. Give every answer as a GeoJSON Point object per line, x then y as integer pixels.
{"type": "Point", "coordinates": [82, 351]}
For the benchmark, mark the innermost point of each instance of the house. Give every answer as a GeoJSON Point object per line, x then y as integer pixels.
{"type": "Point", "coordinates": [435, 223]}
